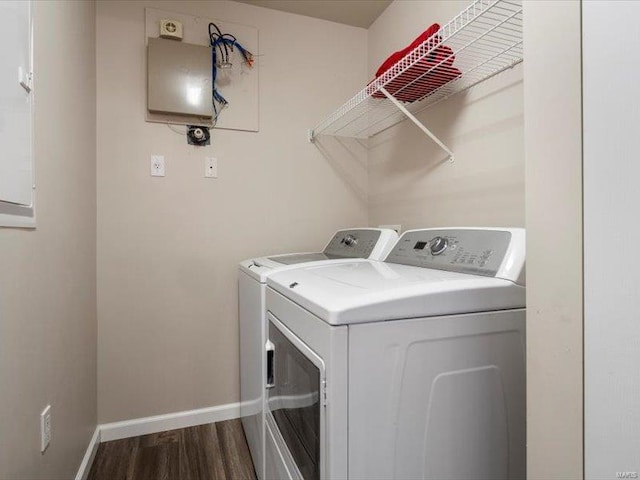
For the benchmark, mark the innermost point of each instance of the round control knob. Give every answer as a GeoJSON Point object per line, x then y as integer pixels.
{"type": "Point", "coordinates": [350, 241]}
{"type": "Point", "coordinates": [438, 245]}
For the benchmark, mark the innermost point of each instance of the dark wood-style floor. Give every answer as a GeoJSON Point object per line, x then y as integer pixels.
{"type": "Point", "coordinates": [216, 451]}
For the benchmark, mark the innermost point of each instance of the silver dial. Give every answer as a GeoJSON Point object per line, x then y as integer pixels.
{"type": "Point", "coordinates": [350, 241]}
{"type": "Point", "coordinates": [438, 245]}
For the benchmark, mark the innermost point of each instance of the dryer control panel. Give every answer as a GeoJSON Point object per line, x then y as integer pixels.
{"type": "Point", "coordinates": [478, 252]}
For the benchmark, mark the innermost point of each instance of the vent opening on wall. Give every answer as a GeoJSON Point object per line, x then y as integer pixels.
{"type": "Point", "coordinates": [198, 136]}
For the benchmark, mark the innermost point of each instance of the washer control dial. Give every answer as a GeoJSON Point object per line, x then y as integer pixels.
{"type": "Point", "coordinates": [350, 241]}
{"type": "Point", "coordinates": [438, 245]}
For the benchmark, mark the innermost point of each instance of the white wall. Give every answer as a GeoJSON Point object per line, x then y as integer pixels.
{"type": "Point", "coordinates": [611, 236]}
{"type": "Point", "coordinates": [553, 136]}
{"type": "Point", "coordinates": [409, 183]}
{"type": "Point", "coordinates": [48, 275]}
{"type": "Point", "coordinates": [168, 247]}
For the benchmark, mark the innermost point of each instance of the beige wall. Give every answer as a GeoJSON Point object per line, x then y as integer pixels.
{"type": "Point", "coordinates": [409, 181]}
{"type": "Point", "coordinates": [553, 136]}
{"type": "Point", "coordinates": [168, 247]}
{"type": "Point", "coordinates": [47, 275]}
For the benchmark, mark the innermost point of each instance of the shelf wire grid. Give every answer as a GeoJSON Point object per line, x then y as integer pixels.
{"type": "Point", "coordinates": [485, 39]}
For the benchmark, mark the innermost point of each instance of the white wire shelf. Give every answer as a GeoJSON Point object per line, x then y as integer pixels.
{"type": "Point", "coordinates": [483, 40]}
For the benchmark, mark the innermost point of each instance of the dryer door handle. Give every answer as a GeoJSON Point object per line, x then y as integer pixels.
{"type": "Point", "coordinates": [271, 353]}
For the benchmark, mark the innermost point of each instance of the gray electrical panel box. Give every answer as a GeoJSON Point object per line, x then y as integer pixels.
{"type": "Point", "coordinates": [179, 78]}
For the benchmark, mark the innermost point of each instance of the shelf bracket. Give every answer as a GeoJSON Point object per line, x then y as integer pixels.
{"type": "Point", "coordinates": [310, 135]}
{"type": "Point", "coordinates": [418, 123]}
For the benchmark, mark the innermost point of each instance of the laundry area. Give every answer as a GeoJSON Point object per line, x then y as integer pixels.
{"type": "Point", "coordinates": [317, 240]}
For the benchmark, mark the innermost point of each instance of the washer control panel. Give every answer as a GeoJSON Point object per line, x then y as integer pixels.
{"type": "Point", "coordinates": [352, 243]}
{"type": "Point", "coordinates": [478, 252]}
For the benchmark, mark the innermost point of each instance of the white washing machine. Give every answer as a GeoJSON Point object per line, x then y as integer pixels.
{"type": "Point", "coordinates": [345, 245]}
{"type": "Point", "coordinates": [411, 368]}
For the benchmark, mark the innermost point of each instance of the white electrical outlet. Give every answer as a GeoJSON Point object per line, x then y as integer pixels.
{"type": "Point", "coordinates": [45, 428]}
{"type": "Point", "coordinates": [157, 165]}
{"type": "Point", "coordinates": [211, 167]}
{"type": "Point", "coordinates": [397, 228]}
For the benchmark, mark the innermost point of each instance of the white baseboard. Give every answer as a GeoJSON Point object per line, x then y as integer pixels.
{"type": "Point", "coordinates": [155, 424]}
{"type": "Point", "coordinates": [89, 455]}
{"type": "Point", "coordinates": [169, 421]}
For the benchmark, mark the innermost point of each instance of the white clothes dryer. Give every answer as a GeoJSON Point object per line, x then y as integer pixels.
{"type": "Point", "coordinates": [345, 245]}
{"type": "Point", "coordinates": [411, 368]}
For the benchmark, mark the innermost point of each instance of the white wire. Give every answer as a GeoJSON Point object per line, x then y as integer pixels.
{"type": "Point", "coordinates": [173, 129]}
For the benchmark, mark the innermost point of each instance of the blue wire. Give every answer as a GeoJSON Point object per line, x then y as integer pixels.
{"type": "Point", "coordinates": [215, 43]}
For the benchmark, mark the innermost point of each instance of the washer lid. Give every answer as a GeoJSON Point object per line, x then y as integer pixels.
{"type": "Point", "coordinates": [296, 258]}
{"type": "Point", "coordinates": [345, 245]}
{"type": "Point", "coordinates": [262, 267]}
{"type": "Point", "coordinates": [369, 291]}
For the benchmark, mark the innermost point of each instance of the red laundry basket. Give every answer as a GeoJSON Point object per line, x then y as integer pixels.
{"type": "Point", "coordinates": [426, 75]}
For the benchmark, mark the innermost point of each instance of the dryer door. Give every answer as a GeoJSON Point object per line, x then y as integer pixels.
{"type": "Point", "coordinates": [295, 399]}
